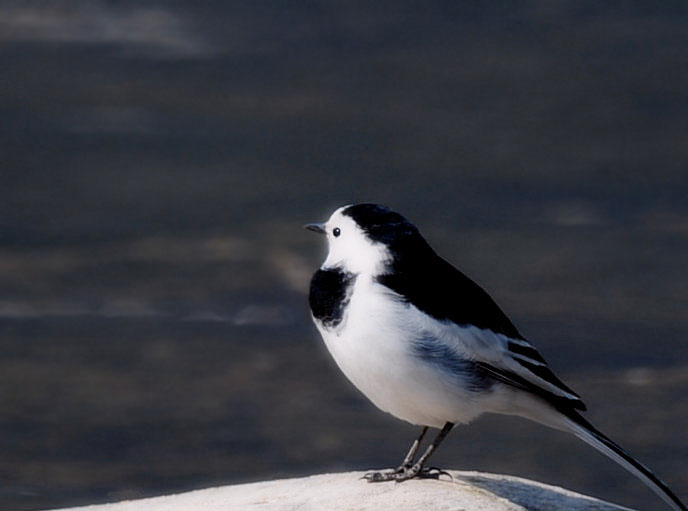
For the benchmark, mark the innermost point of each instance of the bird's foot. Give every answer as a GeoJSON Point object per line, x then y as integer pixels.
{"type": "Point", "coordinates": [404, 473]}
{"type": "Point", "coordinates": [399, 474]}
{"type": "Point", "coordinates": [433, 473]}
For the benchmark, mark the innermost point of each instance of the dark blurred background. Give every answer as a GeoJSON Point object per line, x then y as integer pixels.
{"type": "Point", "coordinates": [157, 161]}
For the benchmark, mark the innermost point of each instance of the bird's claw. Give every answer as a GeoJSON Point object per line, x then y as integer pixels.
{"type": "Point", "coordinates": [433, 473]}
{"type": "Point", "coordinates": [404, 473]}
{"type": "Point", "coordinates": [399, 474]}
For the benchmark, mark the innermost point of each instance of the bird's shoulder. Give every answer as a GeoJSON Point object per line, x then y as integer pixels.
{"type": "Point", "coordinates": [443, 292]}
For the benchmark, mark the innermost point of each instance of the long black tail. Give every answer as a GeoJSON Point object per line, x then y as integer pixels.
{"type": "Point", "coordinates": [586, 432]}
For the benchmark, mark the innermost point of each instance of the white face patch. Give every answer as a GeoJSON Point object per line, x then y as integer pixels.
{"type": "Point", "coordinates": [351, 249]}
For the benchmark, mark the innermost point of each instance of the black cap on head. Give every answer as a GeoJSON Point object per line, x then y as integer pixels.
{"type": "Point", "coordinates": [383, 225]}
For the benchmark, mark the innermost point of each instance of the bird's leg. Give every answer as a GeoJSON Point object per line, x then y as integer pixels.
{"type": "Point", "coordinates": [406, 464]}
{"type": "Point", "coordinates": [416, 470]}
{"type": "Point", "coordinates": [411, 455]}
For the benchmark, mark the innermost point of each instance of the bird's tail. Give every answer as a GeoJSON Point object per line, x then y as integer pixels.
{"type": "Point", "coordinates": [587, 432]}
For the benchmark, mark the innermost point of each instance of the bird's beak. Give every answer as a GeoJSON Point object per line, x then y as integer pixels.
{"type": "Point", "coordinates": [319, 228]}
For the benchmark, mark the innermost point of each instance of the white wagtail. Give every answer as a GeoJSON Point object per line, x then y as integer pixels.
{"type": "Point", "coordinates": [428, 345]}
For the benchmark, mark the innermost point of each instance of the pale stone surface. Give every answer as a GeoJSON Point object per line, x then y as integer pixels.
{"type": "Point", "coordinates": [468, 491]}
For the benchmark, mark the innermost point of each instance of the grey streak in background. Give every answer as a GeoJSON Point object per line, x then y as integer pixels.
{"type": "Point", "coordinates": [153, 31]}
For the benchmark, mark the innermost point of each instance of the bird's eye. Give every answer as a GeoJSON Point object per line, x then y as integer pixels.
{"type": "Point", "coordinates": [336, 232]}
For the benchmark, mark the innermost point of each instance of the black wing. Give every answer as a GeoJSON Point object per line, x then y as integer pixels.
{"type": "Point", "coordinates": [437, 288]}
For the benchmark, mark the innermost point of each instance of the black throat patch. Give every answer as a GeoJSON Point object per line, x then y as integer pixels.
{"type": "Point", "coordinates": [329, 295]}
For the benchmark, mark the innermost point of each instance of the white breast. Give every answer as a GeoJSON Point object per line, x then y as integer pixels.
{"type": "Point", "coordinates": [373, 346]}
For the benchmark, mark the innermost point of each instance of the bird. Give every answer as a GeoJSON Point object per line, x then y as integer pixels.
{"type": "Point", "coordinates": [428, 345]}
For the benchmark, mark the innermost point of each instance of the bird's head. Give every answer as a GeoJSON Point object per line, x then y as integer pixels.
{"type": "Point", "coordinates": [368, 238]}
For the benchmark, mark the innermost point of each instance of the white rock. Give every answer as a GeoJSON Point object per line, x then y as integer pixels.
{"type": "Point", "coordinates": [468, 491]}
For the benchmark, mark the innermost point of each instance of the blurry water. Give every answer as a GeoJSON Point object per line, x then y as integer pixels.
{"type": "Point", "coordinates": [157, 163]}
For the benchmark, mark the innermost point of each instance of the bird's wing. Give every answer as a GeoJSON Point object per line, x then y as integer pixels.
{"type": "Point", "coordinates": [517, 363]}
{"type": "Point", "coordinates": [484, 333]}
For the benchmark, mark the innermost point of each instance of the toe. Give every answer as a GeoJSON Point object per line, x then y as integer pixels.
{"type": "Point", "coordinates": [374, 477]}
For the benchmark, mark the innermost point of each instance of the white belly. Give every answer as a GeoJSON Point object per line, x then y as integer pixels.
{"type": "Point", "coordinates": [373, 346]}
